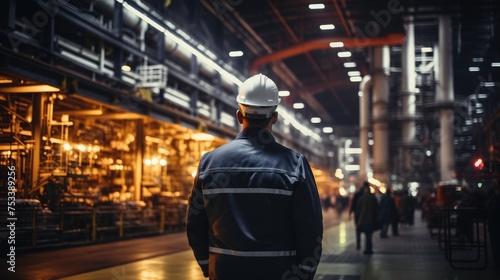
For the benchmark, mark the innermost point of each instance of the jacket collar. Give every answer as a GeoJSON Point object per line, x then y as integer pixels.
{"type": "Point", "coordinates": [261, 135]}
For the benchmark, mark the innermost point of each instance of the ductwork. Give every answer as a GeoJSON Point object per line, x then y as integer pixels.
{"type": "Point", "coordinates": [132, 21]}
{"type": "Point", "coordinates": [389, 40]}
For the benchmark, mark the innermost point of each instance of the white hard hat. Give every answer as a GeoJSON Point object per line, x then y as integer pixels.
{"type": "Point", "coordinates": [258, 97]}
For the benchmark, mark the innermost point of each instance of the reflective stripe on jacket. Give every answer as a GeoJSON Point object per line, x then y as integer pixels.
{"type": "Point", "coordinates": [255, 210]}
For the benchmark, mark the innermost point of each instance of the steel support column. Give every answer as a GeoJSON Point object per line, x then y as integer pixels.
{"type": "Point", "coordinates": [364, 127]}
{"type": "Point", "coordinates": [445, 96]}
{"type": "Point", "coordinates": [408, 97]}
{"type": "Point", "coordinates": [139, 156]}
{"type": "Point", "coordinates": [37, 126]}
{"type": "Point", "coordinates": [381, 63]}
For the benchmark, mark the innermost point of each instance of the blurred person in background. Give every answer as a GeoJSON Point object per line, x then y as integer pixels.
{"type": "Point", "coordinates": [367, 216]}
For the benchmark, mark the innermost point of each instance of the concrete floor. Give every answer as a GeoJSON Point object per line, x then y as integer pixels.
{"type": "Point", "coordinates": [412, 255]}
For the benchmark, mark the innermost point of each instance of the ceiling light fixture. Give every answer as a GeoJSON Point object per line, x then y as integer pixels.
{"type": "Point", "coordinates": [235, 53]}
{"type": "Point", "coordinates": [316, 6]}
{"type": "Point", "coordinates": [426, 49]}
{"type": "Point", "coordinates": [327, 27]}
{"type": "Point", "coordinates": [355, 79]}
{"type": "Point", "coordinates": [327, 129]}
{"type": "Point", "coordinates": [336, 44]}
{"type": "Point", "coordinates": [315, 120]}
{"type": "Point", "coordinates": [349, 64]}
{"type": "Point", "coordinates": [353, 73]}
{"type": "Point", "coordinates": [495, 64]}
{"type": "Point", "coordinates": [344, 54]}
{"type": "Point", "coordinates": [283, 93]}
{"type": "Point", "coordinates": [298, 105]}
{"type": "Point", "coordinates": [477, 59]}
{"type": "Point", "coordinates": [126, 68]}
{"type": "Point", "coordinates": [473, 69]}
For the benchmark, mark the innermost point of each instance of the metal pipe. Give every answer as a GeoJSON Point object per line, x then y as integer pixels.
{"type": "Point", "coordinates": [408, 98]}
{"type": "Point", "coordinates": [381, 63]}
{"type": "Point", "coordinates": [388, 40]}
{"type": "Point", "coordinates": [364, 119]}
{"type": "Point", "coordinates": [445, 95]}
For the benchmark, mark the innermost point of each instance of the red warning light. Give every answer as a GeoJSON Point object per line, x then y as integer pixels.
{"type": "Point", "coordinates": [479, 164]}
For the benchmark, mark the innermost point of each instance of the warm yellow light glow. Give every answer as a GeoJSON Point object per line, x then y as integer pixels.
{"type": "Point", "coordinates": [147, 162]}
{"type": "Point", "coordinates": [29, 89]}
{"type": "Point", "coordinates": [163, 162]}
{"type": "Point", "coordinates": [82, 147]}
{"type": "Point", "coordinates": [202, 137]}
{"type": "Point", "coordinates": [342, 233]}
{"type": "Point", "coordinates": [67, 146]}
{"type": "Point", "coordinates": [154, 161]}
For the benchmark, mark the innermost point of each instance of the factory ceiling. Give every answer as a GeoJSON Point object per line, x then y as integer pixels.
{"type": "Point", "coordinates": [284, 40]}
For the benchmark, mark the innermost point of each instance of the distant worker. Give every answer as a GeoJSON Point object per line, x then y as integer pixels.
{"type": "Point", "coordinates": [254, 211]}
{"type": "Point", "coordinates": [367, 216]}
{"type": "Point", "coordinates": [388, 212]}
{"type": "Point", "coordinates": [352, 210]}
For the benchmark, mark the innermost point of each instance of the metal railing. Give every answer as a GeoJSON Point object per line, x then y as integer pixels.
{"type": "Point", "coordinates": [462, 234]}
{"type": "Point", "coordinates": [36, 227]}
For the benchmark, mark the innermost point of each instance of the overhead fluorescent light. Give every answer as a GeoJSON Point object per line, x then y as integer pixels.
{"type": "Point", "coordinates": [355, 79]}
{"type": "Point", "coordinates": [477, 59]}
{"type": "Point", "coordinates": [488, 84]}
{"type": "Point", "coordinates": [473, 69]}
{"type": "Point", "coordinates": [344, 54]}
{"type": "Point", "coordinates": [327, 129]}
{"type": "Point", "coordinates": [349, 64]}
{"type": "Point", "coordinates": [336, 44]}
{"type": "Point", "coordinates": [495, 64]}
{"type": "Point", "coordinates": [353, 151]}
{"type": "Point", "coordinates": [126, 68]}
{"type": "Point", "coordinates": [235, 53]}
{"type": "Point", "coordinates": [283, 93]}
{"type": "Point", "coordinates": [315, 120]}
{"type": "Point", "coordinates": [353, 73]}
{"type": "Point", "coordinates": [426, 49]}
{"type": "Point", "coordinates": [298, 105]}
{"type": "Point", "coordinates": [29, 89]}
{"type": "Point", "coordinates": [352, 167]}
{"type": "Point", "coordinates": [327, 27]}
{"type": "Point", "coordinates": [316, 6]}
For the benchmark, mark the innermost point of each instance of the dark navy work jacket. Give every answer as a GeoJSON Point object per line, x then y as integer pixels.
{"type": "Point", "coordinates": [254, 211]}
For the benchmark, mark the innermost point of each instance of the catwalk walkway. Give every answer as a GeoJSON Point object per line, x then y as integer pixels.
{"type": "Point", "coordinates": [413, 255]}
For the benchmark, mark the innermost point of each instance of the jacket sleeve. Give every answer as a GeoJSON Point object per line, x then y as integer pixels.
{"type": "Point", "coordinates": [197, 226]}
{"type": "Point", "coordinates": [308, 220]}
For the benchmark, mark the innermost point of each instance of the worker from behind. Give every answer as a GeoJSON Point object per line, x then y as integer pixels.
{"type": "Point", "coordinates": [254, 211]}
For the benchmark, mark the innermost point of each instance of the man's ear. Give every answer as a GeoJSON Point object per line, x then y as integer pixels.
{"type": "Point", "coordinates": [239, 116]}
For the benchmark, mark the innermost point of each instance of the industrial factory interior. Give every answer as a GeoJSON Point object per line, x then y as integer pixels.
{"type": "Point", "coordinates": [107, 106]}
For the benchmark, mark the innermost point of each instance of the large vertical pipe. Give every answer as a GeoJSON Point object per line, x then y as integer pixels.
{"type": "Point", "coordinates": [408, 98]}
{"type": "Point", "coordinates": [37, 125]}
{"type": "Point", "coordinates": [364, 119]}
{"type": "Point", "coordinates": [381, 63]}
{"type": "Point", "coordinates": [139, 155]}
{"type": "Point", "coordinates": [445, 96]}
